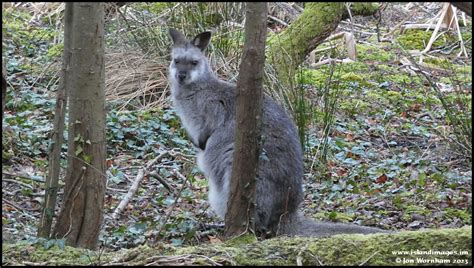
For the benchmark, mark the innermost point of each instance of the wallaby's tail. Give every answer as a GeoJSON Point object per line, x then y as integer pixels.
{"type": "Point", "coordinates": [303, 226]}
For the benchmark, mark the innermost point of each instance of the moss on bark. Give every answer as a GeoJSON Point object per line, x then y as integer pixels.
{"type": "Point", "coordinates": [287, 49]}
{"type": "Point", "coordinates": [429, 247]}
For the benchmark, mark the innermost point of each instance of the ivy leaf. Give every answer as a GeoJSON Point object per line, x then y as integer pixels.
{"type": "Point", "coordinates": [87, 158]}
{"type": "Point", "coordinates": [381, 179]}
{"type": "Point", "coordinates": [78, 150]}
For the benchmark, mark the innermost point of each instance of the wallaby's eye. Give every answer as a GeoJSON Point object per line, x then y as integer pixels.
{"type": "Point", "coordinates": [194, 62]}
{"type": "Point", "coordinates": [176, 61]}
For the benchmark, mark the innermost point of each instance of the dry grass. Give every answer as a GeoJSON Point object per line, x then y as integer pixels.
{"type": "Point", "coordinates": [132, 79]}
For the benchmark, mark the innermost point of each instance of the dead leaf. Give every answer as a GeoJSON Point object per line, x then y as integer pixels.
{"type": "Point", "coordinates": [349, 137]}
{"type": "Point", "coordinates": [110, 162]}
{"type": "Point", "coordinates": [416, 107]}
{"type": "Point", "coordinates": [341, 172]}
{"type": "Point", "coordinates": [214, 239]}
{"type": "Point", "coordinates": [381, 179]}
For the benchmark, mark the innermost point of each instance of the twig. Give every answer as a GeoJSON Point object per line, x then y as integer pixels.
{"type": "Point", "coordinates": [19, 182]}
{"type": "Point", "coordinates": [370, 257]}
{"type": "Point", "coordinates": [141, 174]}
{"type": "Point", "coordinates": [15, 206]}
{"type": "Point", "coordinates": [155, 175]}
{"type": "Point", "coordinates": [299, 261]}
{"type": "Point", "coordinates": [278, 20]}
{"type": "Point", "coordinates": [11, 203]}
{"type": "Point", "coordinates": [24, 176]}
{"type": "Point", "coordinates": [178, 195]}
{"type": "Point", "coordinates": [181, 176]}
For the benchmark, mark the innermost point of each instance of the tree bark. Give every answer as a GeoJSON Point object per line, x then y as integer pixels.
{"type": "Point", "coordinates": [241, 203]}
{"type": "Point", "coordinates": [81, 215]}
{"type": "Point", "coordinates": [4, 85]}
{"type": "Point", "coordinates": [52, 181]}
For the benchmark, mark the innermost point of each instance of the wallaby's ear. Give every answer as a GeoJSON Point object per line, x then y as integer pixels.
{"type": "Point", "coordinates": [202, 40]}
{"type": "Point", "coordinates": [177, 36]}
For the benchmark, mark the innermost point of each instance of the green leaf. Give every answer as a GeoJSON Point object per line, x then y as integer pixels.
{"type": "Point", "coordinates": [138, 228]}
{"type": "Point", "coordinates": [422, 179]}
{"type": "Point", "coordinates": [78, 138]}
{"type": "Point", "coordinates": [78, 150]}
{"type": "Point", "coordinates": [176, 242]}
{"type": "Point", "coordinates": [87, 158]}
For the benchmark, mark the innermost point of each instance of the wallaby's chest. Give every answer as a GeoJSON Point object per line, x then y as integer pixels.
{"type": "Point", "coordinates": [193, 112]}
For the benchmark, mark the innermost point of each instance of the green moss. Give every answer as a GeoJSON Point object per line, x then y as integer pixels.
{"type": "Point", "coordinates": [373, 53]}
{"type": "Point", "coordinates": [334, 216]}
{"type": "Point", "coordinates": [246, 238]}
{"type": "Point", "coordinates": [287, 49]}
{"type": "Point", "coordinates": [355, 249]}
{"type": "Point", "coordinates": [364, 8]}
{"type": "Point", "coordinates": [458, 213]}
{"type": "Point", "coordinates": [54, 256]}
{"type": "Point", "coordinates": [418, 39]}
{"type": "Point", "coordinates": [56, 51]}
{"type": "Point", "coordinates": [394, 96]}
{"type": "Point", "coordinates": [353, 106]}
{"type": "Point", "coordinates": [413, 209]}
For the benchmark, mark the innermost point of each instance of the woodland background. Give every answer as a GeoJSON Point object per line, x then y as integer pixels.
{"type": "Point", "coordinates": [387, 136]}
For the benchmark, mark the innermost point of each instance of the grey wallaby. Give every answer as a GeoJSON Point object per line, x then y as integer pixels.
{"type": "Point", "coordinates": [206, 106]}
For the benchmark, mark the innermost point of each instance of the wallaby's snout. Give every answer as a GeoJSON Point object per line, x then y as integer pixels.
{"type": "Point", "coordinates": [182, 76]}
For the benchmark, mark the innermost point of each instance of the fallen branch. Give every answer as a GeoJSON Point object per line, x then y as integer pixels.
{"type": "Point", "coordinates": [133, 189]}
{"type": "Point", "coordinates": [178, 195]}
{"type": "Point", "coordinates": [278, 20]}
{"type": "Point", "coordinates": [328, 61]}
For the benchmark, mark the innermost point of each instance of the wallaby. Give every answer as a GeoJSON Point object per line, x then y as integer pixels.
{"type": "Point", "coordinates": [206, 106]}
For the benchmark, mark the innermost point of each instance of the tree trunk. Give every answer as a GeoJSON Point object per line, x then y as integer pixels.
{"type": "Point", "coordinates": [81, 215]}
{"type": "Point", "coordinates": [241, 204]}
{"type": "Point", "coordinates": [4, 86]}
{"type": "Point", "coordinates": [52, 181]}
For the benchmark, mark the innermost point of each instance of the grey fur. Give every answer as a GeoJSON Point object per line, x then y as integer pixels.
{"type": "Point", "coordinates": [206, 106]}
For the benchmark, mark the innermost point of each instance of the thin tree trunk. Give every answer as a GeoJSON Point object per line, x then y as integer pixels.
{"type": "Point", "coordinates": [4, 85]}
{"type": "Point", "coordinates": [81, 215]}
{"type": "Point", "coordinates": [52, 181]}
{"type": "Point", "coordinates": [241, 205]}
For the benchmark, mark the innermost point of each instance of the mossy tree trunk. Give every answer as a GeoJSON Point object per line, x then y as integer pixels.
{"type": "Point", "coordinates": [81, 214]}
{"type": "Point", "coordinates": [288, 49]}
{"type": "Point", "coordinates": [428, 247]}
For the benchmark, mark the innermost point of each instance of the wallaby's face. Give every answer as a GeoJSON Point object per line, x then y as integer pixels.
{"type": "Point", "coordinates": [188, 62]}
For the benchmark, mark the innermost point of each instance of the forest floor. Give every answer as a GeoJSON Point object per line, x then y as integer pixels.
{"type": "Point", "coordinates": [390, 163]}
